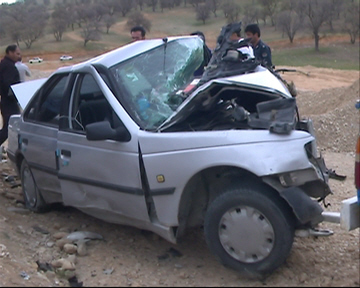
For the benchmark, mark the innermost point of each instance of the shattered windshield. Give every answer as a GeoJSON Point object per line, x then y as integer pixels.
{"type": "Point", "coordinates": [152, 80]}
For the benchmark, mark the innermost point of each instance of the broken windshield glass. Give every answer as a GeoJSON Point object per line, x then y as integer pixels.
{"type": "Point", "coordinates": [152, 79]}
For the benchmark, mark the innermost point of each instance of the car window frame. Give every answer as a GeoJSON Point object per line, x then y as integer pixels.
{"type": "Point", "coordinates": [38, 99]}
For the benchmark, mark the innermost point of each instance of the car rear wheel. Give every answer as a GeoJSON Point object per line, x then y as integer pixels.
{"type": "Point", "coordinates": [32, 196]}
{"type": "Point", "coordinates": [248, 230]}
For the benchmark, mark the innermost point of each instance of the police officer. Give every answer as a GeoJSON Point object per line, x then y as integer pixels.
{"type": "Point", "coordinates": [261, 50]}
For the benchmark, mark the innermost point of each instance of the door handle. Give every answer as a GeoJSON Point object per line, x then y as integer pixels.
{"type": "Point", "coordinates": [23, 143]}
{"type": "Point", "coordinates": [65, 153]}
{"type": "Point", "coordinates": [65, 156]}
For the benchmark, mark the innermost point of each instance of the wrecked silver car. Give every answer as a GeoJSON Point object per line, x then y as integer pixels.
{"type": "Point", "coordinates": [131, 137]}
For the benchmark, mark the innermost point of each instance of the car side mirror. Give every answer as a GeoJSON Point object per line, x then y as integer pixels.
{"type": "Point", "coordinates": [103, 131]}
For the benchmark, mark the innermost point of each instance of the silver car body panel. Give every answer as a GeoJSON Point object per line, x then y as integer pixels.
{"type": "Point", "coordinates": [105, 179]}
{"type": "Point", "coordinates": [254, 151]}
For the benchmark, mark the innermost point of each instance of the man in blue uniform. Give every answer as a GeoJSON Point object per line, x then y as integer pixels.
{"type": "Point", "coordinates": [262, 51]}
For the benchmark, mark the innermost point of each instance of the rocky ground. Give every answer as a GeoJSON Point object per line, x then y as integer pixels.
{"type": "Point", "coordinates": [31, 245]}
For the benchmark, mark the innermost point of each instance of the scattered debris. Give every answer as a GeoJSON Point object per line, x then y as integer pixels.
{"type": "Point", "coordinates": [40, 230]}
{"type": "Point", "coordinates": [108, 271]}
{"type": "Point", "coordinates": [44, 266]}
{"type": "Point", "coordinates": [74, 282]}
{"type": "Point", "coordinates": [175, 253]}
{"type": "Point", "coordinates": [24, 275]}
{"type": "Point", "coordinates": [81, 235]}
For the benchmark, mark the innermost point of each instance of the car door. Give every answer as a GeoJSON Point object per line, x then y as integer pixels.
{"type": "Point", "coordinates": [38, 136]}
{"type": "Point", "coordinates": [98, 177]}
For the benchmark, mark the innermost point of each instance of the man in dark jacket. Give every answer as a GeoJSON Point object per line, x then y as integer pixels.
{"type": "Point", "coordinates": [9, 75]}
{"type": "Point", "coordinates": [262, 51]}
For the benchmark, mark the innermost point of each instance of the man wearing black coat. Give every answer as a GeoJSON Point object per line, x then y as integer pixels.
{"type": "Point", "coordinates": [9, 75]}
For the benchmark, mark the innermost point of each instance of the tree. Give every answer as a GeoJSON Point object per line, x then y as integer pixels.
{"type": "Point", "coordinates": [140, 3]}
{"type": "Point", "coordinates": [137, 18]}
{"type": "Point", "coordinates": [351, 23]}
{"type": "Point", "coordinates": [317, 12]}
{"type": "Point", "coordinates": [290, 22]}
{"type": "Point", "coordinates": [59, 21]}
{"type": "Point", "coordinates": [252, 14]}
{"type": "Point", "coordinates": [202, 12]}
{"type": "Point", "coordinates": [109, 21]}
{"type": "Point", "coordinates": [231, 11]}
{"type": "Point", "coordinates": [91, 26]}
{"type": "Point", "coordinates": [335, 10]}
{"type": "Point", "coordinates": [27, 22]}
{"type": "Point", "coordinates": [124, 6]}
{"type": "Point", "coordinates": [196, 3]}
{"type": "Point", "coordinates": [270, 9]}
{"type": "Point", "coordinates": [214, 5]}
{"type": "Point", "coordinates": [90, 32]}
{"type": "Point", "coordinates": [152, 4]}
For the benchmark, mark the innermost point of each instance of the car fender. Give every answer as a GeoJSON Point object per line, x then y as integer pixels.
{"type": "Point", "coordinates": [171, 163]}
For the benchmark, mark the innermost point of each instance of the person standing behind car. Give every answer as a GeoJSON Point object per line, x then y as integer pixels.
{"type": "Point", "coordinates": [207, 54]}
{"type": "Point", "coordinates": [137, 33]}
{"type": "Point", "coordinates": [23, 70]}
{"type": "Point", "coordinates": [262, 51]}
{"type": "Point", "coordinates": [9, 75]}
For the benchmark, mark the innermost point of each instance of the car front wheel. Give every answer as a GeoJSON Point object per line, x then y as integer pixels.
{"type": "Point", "coordinates": [249, 230]}
{"type": "Point", "coordinates": [32, 196]}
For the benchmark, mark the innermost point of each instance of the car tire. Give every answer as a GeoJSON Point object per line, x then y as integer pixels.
{"type": "Point", "coordinates": [249, 229]}
{"type": "Point", "coordinates": [32, 196]}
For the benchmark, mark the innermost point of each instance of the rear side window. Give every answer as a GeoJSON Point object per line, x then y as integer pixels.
{"type": "Point", "coordinates": [47, 104]}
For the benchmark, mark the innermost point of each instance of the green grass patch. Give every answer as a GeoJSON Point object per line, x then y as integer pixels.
{"type": "Point", "coordinates": [344, 57]}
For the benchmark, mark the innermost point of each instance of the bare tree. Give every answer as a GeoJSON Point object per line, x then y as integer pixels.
{"type": "Point", "coordinates": [109, 20]}
{"type": "Point", "coordinates": [317, 12]}
{"type": "Point", "coordinates": [28, 21]}
{"type": "Point", "coordinates": [91, 32]}
{"type": "Point", "coordinates": [137, 18]}
{"type": "Point", "coordinates": [214, 5]}
{"type": "Point", "coordinates": [152, 4]}
{"type": "Point", "coordinates": [109, 5]}
{"type": "Point", "coordinates": [91, 26]}
{"type": "Point", "coordinates": [124, 6]}
{"type": "Point", "coordinates": [196, 3]}
{"type": "Point", "coordinates": [290, 22]}
{"type": "Point", "coordinates": [252, 14]}
{"type": "Point", "coordinates": [59, 21]}
{"type": "Point", "coordinates": [231, 11]}
{"type": "Point", "coordinates": [165, 4]}
{"type": "Point", "coordinates": [140, 3]}
{"type": "Point", "coordinates": [202, 12]}
{"type": "Point", "coordinates": [335, 10]}
{"type": "Point", "coordinates": [270, 9]}
{"type": "Point", "coordinates": [351, 23]}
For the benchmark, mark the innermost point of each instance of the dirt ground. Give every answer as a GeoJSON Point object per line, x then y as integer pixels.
{"type": "Point", "coordinates": [130, 257]}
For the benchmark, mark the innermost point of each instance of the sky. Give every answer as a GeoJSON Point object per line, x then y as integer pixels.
{"type": "Point", "coordinates": [7, 1]}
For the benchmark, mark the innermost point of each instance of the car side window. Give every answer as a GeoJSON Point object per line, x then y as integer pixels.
{"type": "Point", "coordinates": [89, 104]}
{"type": "Point", "coordinates": [47, 103]}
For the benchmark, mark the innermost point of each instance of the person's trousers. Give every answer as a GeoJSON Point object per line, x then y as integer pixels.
{"type": "Point", "coordinates": [7, 109]}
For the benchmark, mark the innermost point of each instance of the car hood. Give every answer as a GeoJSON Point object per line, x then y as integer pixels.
{"type": "Point", "coordinates": [260, 81]}
{"type": "Point", "coordinates": [25, 91]}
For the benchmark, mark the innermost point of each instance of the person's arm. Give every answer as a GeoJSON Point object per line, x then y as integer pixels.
{"type": "Point", "coordinates": [268, 57]}
{"type": "Point", "coordinates": [10, 77]}
{"type": "Point", "coordinates": [27, 71]}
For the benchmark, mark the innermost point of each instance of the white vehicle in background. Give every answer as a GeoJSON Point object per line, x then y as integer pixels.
{"type": "Point", "coordinates": [35, 60]}
{"type": "Point", "coordinates": [66, 58]}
